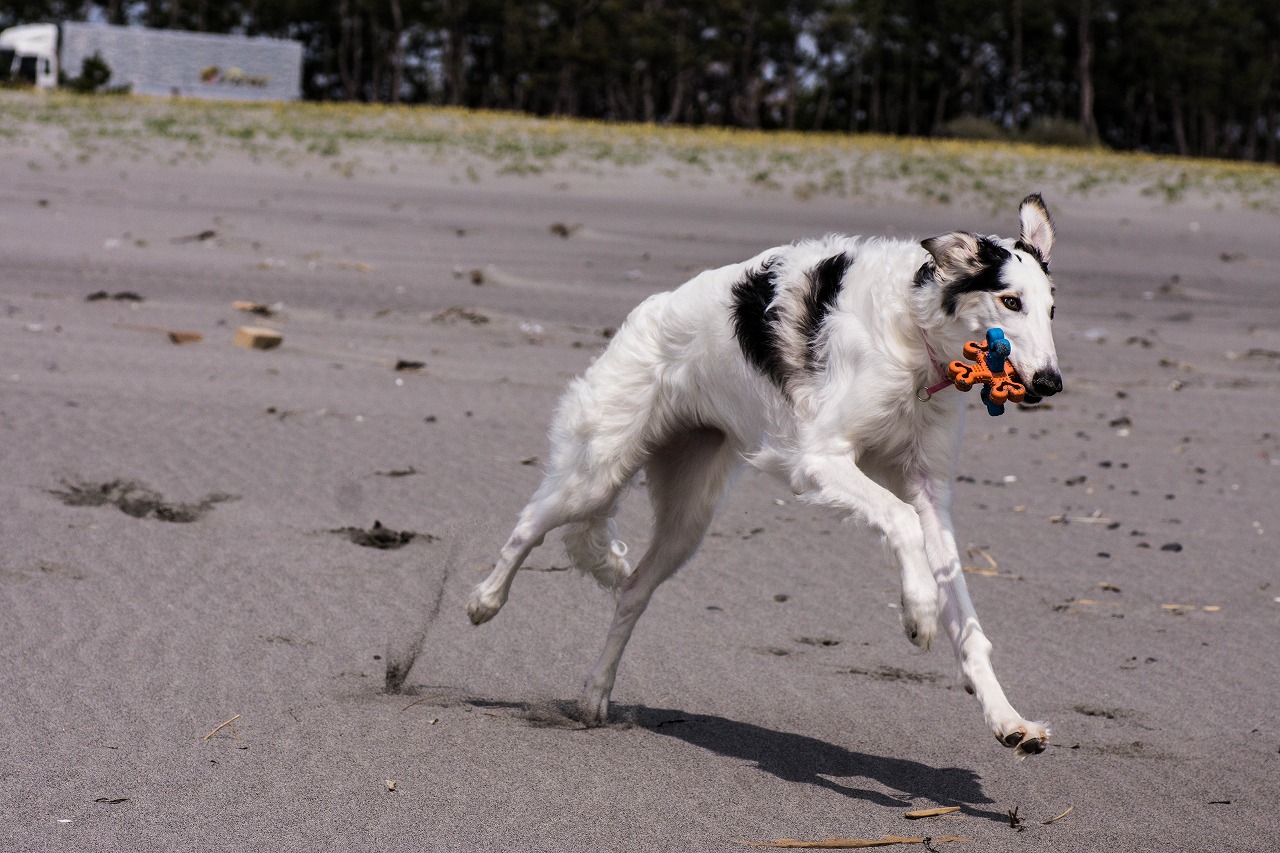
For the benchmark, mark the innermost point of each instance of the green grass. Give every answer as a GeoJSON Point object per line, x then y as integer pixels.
{"type": "Point", "coordinates": [487, 145]}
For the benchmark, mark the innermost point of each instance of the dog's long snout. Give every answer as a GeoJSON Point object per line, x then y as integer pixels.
{"type": "Point", "coordinates": [1046, 383]}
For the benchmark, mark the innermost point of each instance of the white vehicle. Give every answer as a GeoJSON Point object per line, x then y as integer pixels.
{"type": "Point", "coordinates": [30, 52]}
{"type": "Point", "coordinates": [157, 62]}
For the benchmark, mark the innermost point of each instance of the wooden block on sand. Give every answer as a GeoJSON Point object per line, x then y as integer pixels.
{"type": "Point", "coordinates": [257, 337]}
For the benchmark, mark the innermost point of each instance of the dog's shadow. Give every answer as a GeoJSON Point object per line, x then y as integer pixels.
{"type": "Point", "coordinates": [810, 761]}
{"type": "Point", "coordinates": [790, 757]}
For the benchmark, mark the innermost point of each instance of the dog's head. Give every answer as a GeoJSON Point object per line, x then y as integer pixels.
{"type": "Point", "coordinates": [981, 282]}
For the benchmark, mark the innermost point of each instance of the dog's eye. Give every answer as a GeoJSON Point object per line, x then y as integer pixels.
{"type": "Point", "coordinates": [1051, 310]}
{"type": "Point", "coordinates": [1013, 303]}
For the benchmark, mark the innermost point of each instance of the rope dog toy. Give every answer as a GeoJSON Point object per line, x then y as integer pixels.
{"type": "Point", "coordinates": [991, 370]}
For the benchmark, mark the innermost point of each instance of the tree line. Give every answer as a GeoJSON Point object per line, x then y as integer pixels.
{"type": "Point", "coordinates": [1190, 77]}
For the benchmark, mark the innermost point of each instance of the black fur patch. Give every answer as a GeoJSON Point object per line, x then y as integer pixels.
{"type": "Point", "coordinates": [755, 325]}
{"type": "Point", "coordinates": [1033, 252]}
{"type": "Point", "coordinates": [924, 275]}
{"type": "Point", "coordinates": [825, 281]}
{"type": "Point", "coordinates": [986, 279]}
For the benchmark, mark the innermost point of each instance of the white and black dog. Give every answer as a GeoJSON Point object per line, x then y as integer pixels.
{"type": "Point", "coordinates": [812, 362]}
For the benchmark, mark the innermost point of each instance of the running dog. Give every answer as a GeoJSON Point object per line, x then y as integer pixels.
{"type": "Point", "coordinates": [814, 362]}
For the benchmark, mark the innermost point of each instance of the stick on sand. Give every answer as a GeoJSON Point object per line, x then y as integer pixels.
{"type": "Point", "coordinates": [222, 726]}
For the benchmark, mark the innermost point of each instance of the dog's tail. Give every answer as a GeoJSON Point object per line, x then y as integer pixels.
{"type": "Point", "coordinates": [594, 548]}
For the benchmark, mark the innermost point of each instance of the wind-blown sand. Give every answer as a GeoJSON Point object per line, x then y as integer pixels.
{"type": "Point", "coordinates": [768, 692]}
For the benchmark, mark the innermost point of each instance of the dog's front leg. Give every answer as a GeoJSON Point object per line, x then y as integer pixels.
{"type": "Point", "coordinates": [834, 480]}
{"type": "Point", "coordinates": [931, 498]}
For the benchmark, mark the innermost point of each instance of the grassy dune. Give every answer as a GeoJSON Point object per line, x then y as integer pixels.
{"type": "Point", "coordinates": [62, 129]}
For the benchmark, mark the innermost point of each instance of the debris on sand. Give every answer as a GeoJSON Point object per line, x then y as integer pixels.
{"type": "Point", "coordinates": [565, 230]}
{"type": "Point", "coordinates": [257, 337]}
{"type": "Point", "coordinates": [1184, 609]}
{"type": "Point", "coordinates": [991, 569]}
{"type": "Point", "coordinates": [259, 308]}
{"type": "Point", "coordinates": [397, 472]}
{"type": "Point", "coordinates": [923, 813]}
{"type": "Point", "coordinates": [200, 237]}
{"type": "Point", "coordinates": [406, 364]}
{"type": "Point", "coordinates": [136, 500]}
{"type": "Point", "coordinates": [1069, 810]}
{"type": "Point", "coordinates": [382, 538]}
{"type": "Point", "coordinates": [474, 316]}
{"type": "Point", "coordinates": [177, 336]}
{"type": "Point", "coordinates": [121, 296]}
{"type": "Point", "coordinates": [855, 843]}
{"type": "Point", "coordinates": [226, 725]}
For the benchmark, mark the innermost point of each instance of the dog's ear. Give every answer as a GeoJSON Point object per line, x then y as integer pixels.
{"type": "Point", "coordinates": [1037, 228]}
{"type": "Point", "coordinates": [955, 255]}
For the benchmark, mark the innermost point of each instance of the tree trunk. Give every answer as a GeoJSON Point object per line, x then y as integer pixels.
{"type": "Point", "coordinates": [646, 93]}
{"type": "Point", "coordinates": [1179, 129]}
{"type": "Point", "coordinates": [793, 85]}
{"type": "Point", "coordinates": [344, 48]}
{"type": "Point", "coordinates": [744, 102]}
{"type": "Point", "coordinates": [855, 94]}
{"type": "Point", "coordinates": [940, 110]}
{"type": "Point", "coordinates": [913, 92]}
{"type": "Point", "coordinates": [455, 51]}
{"type": "Point", "coordinates": [824, 103]}
{"type": "Point", "coordinates": [1208, 134]}
{"type": "Point", "coordinates": [683, 72]}
{"type": "Point", "coordinates": [1087, 121]}
{"type": "Point", "coordinates": [873, 109]}
{"type": "Point", "coordinates": [1013, 110]}
{"type": "Point", "coordinates": [350, 50]}
{"type": "Point", "coordinates": [1133, 119]}
{"type": "Point", "coordinates": [1153, 119]}
{"type": "Point", "coordinates": [677, 111]}
{"type": "Point", "coordinates": [566, 102]}
{"type": "Point", "coordinates": [397, 52]}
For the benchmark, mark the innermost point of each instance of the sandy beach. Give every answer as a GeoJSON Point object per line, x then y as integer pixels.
{"type": "Point", "coordinates": [177, 522]}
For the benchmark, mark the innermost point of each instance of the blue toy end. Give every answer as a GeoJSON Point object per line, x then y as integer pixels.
{"type": "Point", "coordinates": [998, 349]}
{"type": "Point", "coordinates": [995, 410]}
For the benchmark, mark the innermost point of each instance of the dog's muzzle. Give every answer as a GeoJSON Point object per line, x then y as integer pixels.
{"type": "Point", "coordinates": [1045, 383]}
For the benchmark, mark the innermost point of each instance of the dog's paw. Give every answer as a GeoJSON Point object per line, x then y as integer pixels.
{"type": "Point", "coordinates": [920, 620]}
{"type": "Point", "coordinates": [483, 606]}
{"type": "Point", "coordinates": [1025, 738]}
{"type": "Point", "coordinates": [593, 707]}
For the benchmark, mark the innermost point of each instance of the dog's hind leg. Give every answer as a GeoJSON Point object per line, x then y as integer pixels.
{"type": "Point", "coordinates": [587, 496]}
{"type": "Point", "coordinates": [686, 476]}
{"type": "Point", "coordinates": [592, 460]}
{"type": "Point", "coordinates": [536, 520]}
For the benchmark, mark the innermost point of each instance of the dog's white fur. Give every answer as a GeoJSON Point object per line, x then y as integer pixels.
{"type": "Point", "coordinates": [834, 408]}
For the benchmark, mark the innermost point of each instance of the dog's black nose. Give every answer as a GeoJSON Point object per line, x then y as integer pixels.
{"type": "Point", "coordinates": [1046, 383]}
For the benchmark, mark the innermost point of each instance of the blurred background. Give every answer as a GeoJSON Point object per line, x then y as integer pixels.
{"type": "Point", "coordinates": [1187, 77]}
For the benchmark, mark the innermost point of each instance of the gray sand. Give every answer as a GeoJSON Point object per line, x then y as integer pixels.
{"type": "Point", "coordinates": [768, 692]}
